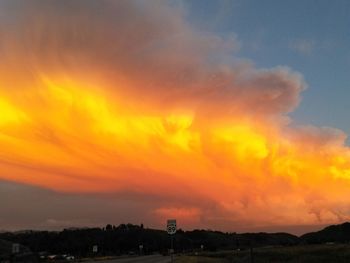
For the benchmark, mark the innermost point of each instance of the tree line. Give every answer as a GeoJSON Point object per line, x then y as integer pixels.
{"type": "Point", "coordinates": [135, 239]}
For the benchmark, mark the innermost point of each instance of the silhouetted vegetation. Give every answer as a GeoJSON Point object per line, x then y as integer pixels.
{"type": "Point", "coordinates": [6, 255]}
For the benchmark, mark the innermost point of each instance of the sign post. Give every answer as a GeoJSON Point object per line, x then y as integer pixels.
{"type": "Point", "coordinates": [94, 249]}
{"type": "Point", "coordinates": [15, 248]}
{"type": "Point", "coordinates": [171, 229]}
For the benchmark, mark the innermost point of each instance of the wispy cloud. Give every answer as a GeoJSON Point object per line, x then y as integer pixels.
{"type": "Point", "coordinates": [303, 46]}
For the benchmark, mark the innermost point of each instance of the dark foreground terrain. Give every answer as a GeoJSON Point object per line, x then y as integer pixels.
{"type": "Point", "coordinates": [327, 253]}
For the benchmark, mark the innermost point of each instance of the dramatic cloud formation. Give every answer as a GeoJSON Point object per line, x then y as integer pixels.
{"type": "Point", "coordinates": [125, 98]}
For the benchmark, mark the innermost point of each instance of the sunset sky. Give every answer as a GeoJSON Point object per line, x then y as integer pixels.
{"type": "Point", "coordinates": [226, 115]}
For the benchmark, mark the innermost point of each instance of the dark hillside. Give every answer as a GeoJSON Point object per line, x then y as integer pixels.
{"type": "Point", "coordinates": [334, 233]}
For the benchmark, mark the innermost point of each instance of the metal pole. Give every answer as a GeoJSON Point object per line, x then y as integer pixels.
{"type": "Point", "coordinates": [251, 253]}
{"type": "Point", "coordinates": [172, 248]}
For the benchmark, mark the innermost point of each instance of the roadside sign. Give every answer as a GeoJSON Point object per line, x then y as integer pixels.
{"type": "Point", "coordinates": [141, 248]}
{"type": "Point", "coordinates": [171, 226]}
{"type": "Point", "coordinates": [95, 248]}
{"type": "Point", "coordinates": [15, 248]}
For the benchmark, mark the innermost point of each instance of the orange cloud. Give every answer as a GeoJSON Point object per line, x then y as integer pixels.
{"type": "Point", "coordinates": [96, 102]}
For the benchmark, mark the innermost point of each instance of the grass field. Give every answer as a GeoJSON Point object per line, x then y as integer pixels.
{"type": "Point", "coordinates": [296, 254]}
